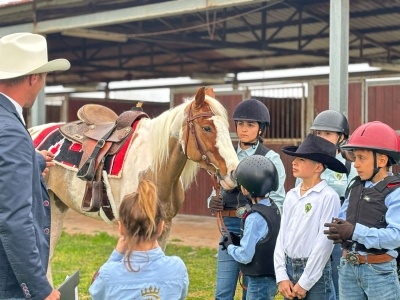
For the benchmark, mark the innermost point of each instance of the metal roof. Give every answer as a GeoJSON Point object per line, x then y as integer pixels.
{"type": "Point", "coordinates": [110, 40]}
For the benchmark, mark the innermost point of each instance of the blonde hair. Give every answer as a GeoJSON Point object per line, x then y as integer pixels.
{"type": "Point", "coordinates": [141, 213]}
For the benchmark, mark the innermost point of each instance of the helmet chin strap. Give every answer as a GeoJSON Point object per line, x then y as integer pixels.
{"type": "Point", "coordinates": [376, 168]}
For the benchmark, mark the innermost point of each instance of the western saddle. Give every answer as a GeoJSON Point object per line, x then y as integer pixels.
{"type": "Point", "coordinates": [101, 132]}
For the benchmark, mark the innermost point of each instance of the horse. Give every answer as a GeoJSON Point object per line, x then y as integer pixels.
{"type": "Point", "coordinates": [167, 150]}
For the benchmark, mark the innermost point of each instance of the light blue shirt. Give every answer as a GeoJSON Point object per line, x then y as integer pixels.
{"type": "Point", "coordinates": [255, 229]}
{"type": "Point", "coordinates": [159, 277]}
{"type": "Point", "coordinates": [335, 180]}
{"type": "Point", "coordinates": [384, 238]}
{"type": "Point", "coordinates": [279, 195]}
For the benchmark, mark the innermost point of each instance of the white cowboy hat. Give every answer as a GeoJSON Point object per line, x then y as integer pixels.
{"type": "Point", "coordinates": [26, 53]}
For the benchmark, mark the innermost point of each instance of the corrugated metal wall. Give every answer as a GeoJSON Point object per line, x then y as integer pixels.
{"type": "Point", "coordinates": [384, 105]}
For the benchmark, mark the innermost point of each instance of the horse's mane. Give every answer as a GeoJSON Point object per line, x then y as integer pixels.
{"type": "Point", "coordinates": [169, 124]}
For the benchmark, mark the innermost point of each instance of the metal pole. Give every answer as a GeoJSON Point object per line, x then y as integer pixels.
{"type": "Point", "coordinates": [339, 55]}
{"type": "Point", "coordinates": [38, 110]}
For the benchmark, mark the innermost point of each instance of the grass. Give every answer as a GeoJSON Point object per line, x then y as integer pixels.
{"type": "Point", "coordinates": [88, 253]}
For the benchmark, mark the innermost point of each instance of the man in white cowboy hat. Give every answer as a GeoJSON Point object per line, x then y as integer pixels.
{"type": "Point", "coordinates": [24, 201]}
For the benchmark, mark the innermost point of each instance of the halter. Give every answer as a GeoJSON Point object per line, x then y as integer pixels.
{"type": "Point", "coordinates": [190, 125]}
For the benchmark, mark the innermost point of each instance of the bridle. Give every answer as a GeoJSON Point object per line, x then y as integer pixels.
{"type": "Point", "coordinates": [191, 128]}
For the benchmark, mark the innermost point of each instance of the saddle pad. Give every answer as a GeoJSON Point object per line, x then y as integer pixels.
{"type": "Point", "coordinates": [69, 153]}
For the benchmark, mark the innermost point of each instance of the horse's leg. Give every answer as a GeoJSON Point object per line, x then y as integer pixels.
{"type": "Point", "coordinates": [58, 210]}
{"type": "Point", "coordinates": [163, 239]}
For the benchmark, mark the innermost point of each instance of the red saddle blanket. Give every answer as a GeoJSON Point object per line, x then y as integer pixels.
{"type": "Point", "coordinates": [70, 153]}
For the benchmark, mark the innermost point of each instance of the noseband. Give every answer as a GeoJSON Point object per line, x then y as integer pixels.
{"type": "Point", "coordinates": [191, 128]}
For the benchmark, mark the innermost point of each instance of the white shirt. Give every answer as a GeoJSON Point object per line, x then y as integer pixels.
{"type": "Point", "coordinates": [17, 107]}
{"type": "Point", "coordinates": [302, 231]}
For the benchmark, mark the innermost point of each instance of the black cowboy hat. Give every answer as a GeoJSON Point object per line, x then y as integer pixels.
{"type": "Point", "coordinates": [317, 149]}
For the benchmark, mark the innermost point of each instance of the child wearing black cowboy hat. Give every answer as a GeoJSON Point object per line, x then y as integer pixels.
{"type": "Point", "coordinates": [301, 258]}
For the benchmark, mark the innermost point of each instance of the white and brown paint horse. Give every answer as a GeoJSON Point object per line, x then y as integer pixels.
{"type": "Point", "coordinates": [167, 150]}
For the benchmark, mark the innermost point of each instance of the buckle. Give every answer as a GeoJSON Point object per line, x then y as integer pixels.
{"type": "Point", "coordinates": [352, 258]}
{"type": "Point", "coordinates": [100, 143]}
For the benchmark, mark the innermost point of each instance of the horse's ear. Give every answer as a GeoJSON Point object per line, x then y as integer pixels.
{"type": "Point", "coordinates": [210, 92]}
{"type": "Point", "coordinates": [199, 98]}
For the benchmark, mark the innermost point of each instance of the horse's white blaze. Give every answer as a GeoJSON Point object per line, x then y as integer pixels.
{"type": "Point", "coordinates": [224, 143]}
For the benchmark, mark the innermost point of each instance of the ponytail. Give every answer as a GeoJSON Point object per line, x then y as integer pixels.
{"type": "Point", "coordinates": [140, 214]}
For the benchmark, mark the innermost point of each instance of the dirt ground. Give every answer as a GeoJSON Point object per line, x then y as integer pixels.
{"type": "Point", "coordinates": [186, 230]}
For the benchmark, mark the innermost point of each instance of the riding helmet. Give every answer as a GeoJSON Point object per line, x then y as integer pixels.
{"type": "Point", "coordinates": [252, 110]}
{"type": "Point", "coordinates": [258, 175]}
{"type": "Point", "coordinates": [331, 120]}
{"type": "Point", "coordinates": [376, 136]}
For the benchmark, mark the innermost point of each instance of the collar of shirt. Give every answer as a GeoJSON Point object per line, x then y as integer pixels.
{"type": "Point", "coordinates": [17, 107]}
{"type": "Point", "coordinates": [146, 256]}
{"type": "Point", "coordinates": [316, 188]}
{"type": "Point", "coordinates": [369, 184]}
{"type": "Point", "coordinates": [265, 201]}
{"type": "Point", "coordinates": [248, 152]}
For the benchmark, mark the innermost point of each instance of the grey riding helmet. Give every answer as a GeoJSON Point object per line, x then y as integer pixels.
{"type": "Point", "coordinates": [258, 175]}
{"type": "Point", "coordinates": [252, 110]}
{"type": "Point", "coordinates": [331, 120]}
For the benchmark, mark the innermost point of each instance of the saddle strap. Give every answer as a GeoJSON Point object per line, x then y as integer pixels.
{"type": "Point", "coordinates": [88, 168]}
{"type": "Point", "coordinates": [96, 197]}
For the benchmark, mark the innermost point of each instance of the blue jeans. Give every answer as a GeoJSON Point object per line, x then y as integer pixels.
{"type": "Point", "coordinates": [335, 261]}
{"type": "Point", "coordinates": [368, 281]}
{"type": "Point", "coordinates": [228, 268]}
{"type": "Point", "coordinates": [261, 288]}
{"type": "Point", "coordinates": [322, 289]}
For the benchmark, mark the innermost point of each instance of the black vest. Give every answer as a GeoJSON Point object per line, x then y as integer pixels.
{"type": "Point", "coordinates": [262, 263]}
{"type": "Point", "coordinates": [230, 198]}
{"type": "Point", "coordinates": [367, 205]}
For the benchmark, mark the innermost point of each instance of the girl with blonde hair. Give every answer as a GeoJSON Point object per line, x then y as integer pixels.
{"type": "Point", "coordinates": [138, 267]}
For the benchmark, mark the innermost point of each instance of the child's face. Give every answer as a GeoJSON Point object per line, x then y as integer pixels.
{"type": "Point", "coordinates": [244, 191]}
{"type": "Point", "coordinates": [328, 135]}
{"type": "Point", "coordinates": [247, 131]}
{"type": "Point", "coordinates": [364, 162]}
{"type": "Point", "coordinates": [303, 167]}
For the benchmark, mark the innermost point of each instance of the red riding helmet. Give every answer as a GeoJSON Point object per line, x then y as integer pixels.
{"type": "Point", "coordinates": [376, 136]}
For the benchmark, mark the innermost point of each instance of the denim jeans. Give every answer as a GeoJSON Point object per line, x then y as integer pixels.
{"type": "Point", "coordinates": [261, 288]}
{"type": "Point", "coordinates": [228, 268]}
{"type": "Point", "coordinates": [335, 261]}
{"type": "Point", "coordinates": [368, 281]}
{"type": "Point", "coordinates": [322, 289]}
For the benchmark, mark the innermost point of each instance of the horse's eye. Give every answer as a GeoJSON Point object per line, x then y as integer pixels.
{"type": "Point", "coordinates": [206, 128]}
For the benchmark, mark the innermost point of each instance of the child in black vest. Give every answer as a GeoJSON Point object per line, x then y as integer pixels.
{"type": "Point", "coordinates": [253, 251]}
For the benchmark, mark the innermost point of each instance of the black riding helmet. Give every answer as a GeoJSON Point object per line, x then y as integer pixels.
{"type": "Point", "coordinates": [258, 175]}
{"type": "Point", "coordinates": [331, 120]}
{"type": "Point", "coordinates": [252, 110]}
{"type": "Point", "coordinates": [255, 111]}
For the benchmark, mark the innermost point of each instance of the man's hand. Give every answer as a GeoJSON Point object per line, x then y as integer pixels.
{"type": "Point", "coordinates": [339, 230]}
{"type": "Point", "coordinates": [48, 157]}
{"type": "Point", "coordinates": [299, 291]}
{"type": "Point", "coordinates": [55, 295]}
{"type": "Point", "coordinates": [285, 287]}
{"type": "Point", "coordinates": [216, 204]}
{"type": "Point", "coordinates": [226, 241]}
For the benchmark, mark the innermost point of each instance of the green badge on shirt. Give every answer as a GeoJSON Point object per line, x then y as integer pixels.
{"type": "Point", "coordinates": [307, 207]}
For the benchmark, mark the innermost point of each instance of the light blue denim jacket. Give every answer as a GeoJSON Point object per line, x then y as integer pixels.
{"type": "Point", "coordinates": [255, 229]}
{"type": "Point", "coordinates": [159, 277]}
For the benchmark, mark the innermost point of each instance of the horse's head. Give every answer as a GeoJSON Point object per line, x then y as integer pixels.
{"type": "Point", "coordinates": [206, 137]}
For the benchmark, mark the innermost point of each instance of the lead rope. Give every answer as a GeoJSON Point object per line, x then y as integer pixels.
{"type": "Point", "coordinates": [220, 221]}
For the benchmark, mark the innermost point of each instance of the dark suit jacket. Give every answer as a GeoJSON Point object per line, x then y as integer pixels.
{"type": "Point", "coordinates": [24, 212]}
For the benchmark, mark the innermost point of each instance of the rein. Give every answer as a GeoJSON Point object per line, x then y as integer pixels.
{"type": "Point", "coordinates": [220, 221]}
